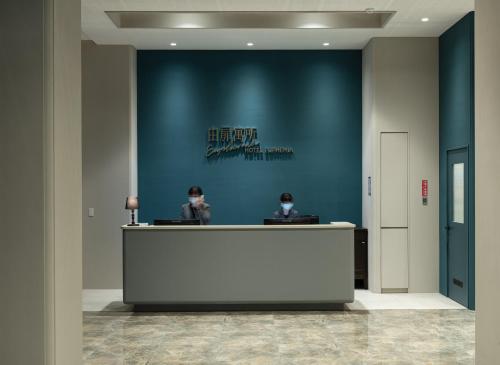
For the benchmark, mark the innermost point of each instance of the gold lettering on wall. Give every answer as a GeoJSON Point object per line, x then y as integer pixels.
{"type": "Point", "coordinates": [229, 141]}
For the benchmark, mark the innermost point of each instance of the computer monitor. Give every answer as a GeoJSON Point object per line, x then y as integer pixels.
{"type": "Point", "coordinates": [177, 222]}
{"type": "Point", "coordinates": [306, 219]}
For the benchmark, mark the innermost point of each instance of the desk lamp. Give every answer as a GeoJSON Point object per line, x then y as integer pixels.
{"type": "Point", "coordinates": [132, 203]}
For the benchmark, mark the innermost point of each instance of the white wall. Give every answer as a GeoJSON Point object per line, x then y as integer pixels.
{"type": "Point", "coordinates": [487, 134]}
{"type": "Point", "coordinates": [369, 215]}
{"type": "Point", "coordinates": [40, 183]}
{"type": "Point", "coordinates": [401, 94]}
{"type": "Point", "coordinates": [109, 158]}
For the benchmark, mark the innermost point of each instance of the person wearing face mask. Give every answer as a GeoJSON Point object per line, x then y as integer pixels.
{"type": "Point", "coordinates": [286, 210]}
{"type": "Point", "coordinates": [196, 208]}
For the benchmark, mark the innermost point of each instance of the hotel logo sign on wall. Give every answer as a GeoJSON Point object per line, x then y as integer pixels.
{"type": "Point", "coordinates": [231, 141]}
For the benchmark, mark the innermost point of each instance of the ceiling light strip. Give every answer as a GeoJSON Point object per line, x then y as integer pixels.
{"type": "Point", "coordinates": [250, 20]}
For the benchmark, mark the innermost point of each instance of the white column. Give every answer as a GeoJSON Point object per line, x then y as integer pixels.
{"type": "Point", "coordinates": [40, 182]}
{"type": "Point", "coordinates": [400, 94]}
{"type": "Point", "coordinates": [487, 134]}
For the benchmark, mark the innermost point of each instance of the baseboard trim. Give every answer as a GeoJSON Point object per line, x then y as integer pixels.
{"type": "Point", "coordinates": [239, 307]}
{"type": "Point", "coordinates": [394, 290]}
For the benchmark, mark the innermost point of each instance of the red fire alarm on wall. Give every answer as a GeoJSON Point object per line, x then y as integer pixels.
{"type": "Point", "coordinates": [425, 191]}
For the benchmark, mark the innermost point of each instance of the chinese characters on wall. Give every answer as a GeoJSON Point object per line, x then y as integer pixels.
{"type": "Point", "coordinates": [229, 140]}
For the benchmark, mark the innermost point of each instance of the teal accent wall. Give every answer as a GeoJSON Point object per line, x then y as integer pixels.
{"type": "Point", "coordinates": [308, 100]}
{"type": "Point", "coordinates": [456, 128]}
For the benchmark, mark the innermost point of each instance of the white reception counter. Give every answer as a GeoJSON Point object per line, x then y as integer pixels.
{"type": "Point", "coordinates": [238, 267]}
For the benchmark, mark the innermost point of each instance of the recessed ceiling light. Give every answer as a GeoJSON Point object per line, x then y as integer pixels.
{"type": "Point", "coordinates": [326, 44]}
{"type": "Point", "coordinates": [425, 20]}
{"type": "Point", "coordinates": [189, 26]}
{"type": "Point", "coordinates": [313, 26]}
{"type": "Point", "coordinates": [173, 44]}
{"type": "Point", "coordinates": [370, 10]}
{"type": "Point", "coordinates": [250, 44]}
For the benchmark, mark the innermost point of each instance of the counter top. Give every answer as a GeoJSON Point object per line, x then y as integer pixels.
{"type": "Point", "coordinates": [337, 225]}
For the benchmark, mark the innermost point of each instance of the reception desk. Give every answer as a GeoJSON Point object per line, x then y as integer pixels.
{"type": "Point", "coordinates": [238, 267]}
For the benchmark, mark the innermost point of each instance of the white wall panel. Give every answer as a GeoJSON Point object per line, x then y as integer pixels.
{"type": "Point", "coordinates": [109, 139]}
{"type": "Point", "coordinates": [487, 130]}
{"type": "Point", "coordinates": [394, 266]}
{"type": "Point", "coordinates": [40, 183]}
{"type": "Point", "coordinates": [394, 179]}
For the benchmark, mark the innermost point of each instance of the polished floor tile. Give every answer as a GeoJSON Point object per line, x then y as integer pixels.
{"type": "Point", "coordinates": [282, 338]}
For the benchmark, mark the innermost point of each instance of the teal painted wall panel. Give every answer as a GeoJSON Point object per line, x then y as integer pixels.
{"type": "Point", "coordinates": [308, 100]}
{"type": "Point", "coordinates": [456, 127]}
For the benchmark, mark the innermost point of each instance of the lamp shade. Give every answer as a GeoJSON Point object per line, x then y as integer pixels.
{"type": "Point", "coordinates": [132, 203]}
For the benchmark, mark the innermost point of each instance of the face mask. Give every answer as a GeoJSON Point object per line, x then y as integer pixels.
{"type": "Point", "coordinates": [193, 200]}
{"type": "Point", "coordinates": [286, 206]}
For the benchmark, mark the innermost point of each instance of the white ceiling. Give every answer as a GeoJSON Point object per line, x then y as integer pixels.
{"type": "Point", "coordinates": [406, 23]}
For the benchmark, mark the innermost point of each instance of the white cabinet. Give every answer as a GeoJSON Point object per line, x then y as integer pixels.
{"type": "Point", "coordinates": [394, 180]}
{"type": "Point", "coordinates": [394, 211]}
{"type": "Point", "coordinates": [394, 251]}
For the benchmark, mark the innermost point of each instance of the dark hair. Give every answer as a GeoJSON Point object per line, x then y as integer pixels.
{"type": "Point", "coordinates": [195, 190]}
{"type": "Point", "coordinates": [286, 197]}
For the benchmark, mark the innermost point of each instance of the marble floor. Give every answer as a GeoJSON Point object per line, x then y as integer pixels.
{"type": "Point", "coordinates": [113, 335]}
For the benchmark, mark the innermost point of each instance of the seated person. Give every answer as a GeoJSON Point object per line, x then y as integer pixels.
{"type": "Point", "coordinates": [196, 208]}
{"type": "Point", "coordinates": [286, 210]}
